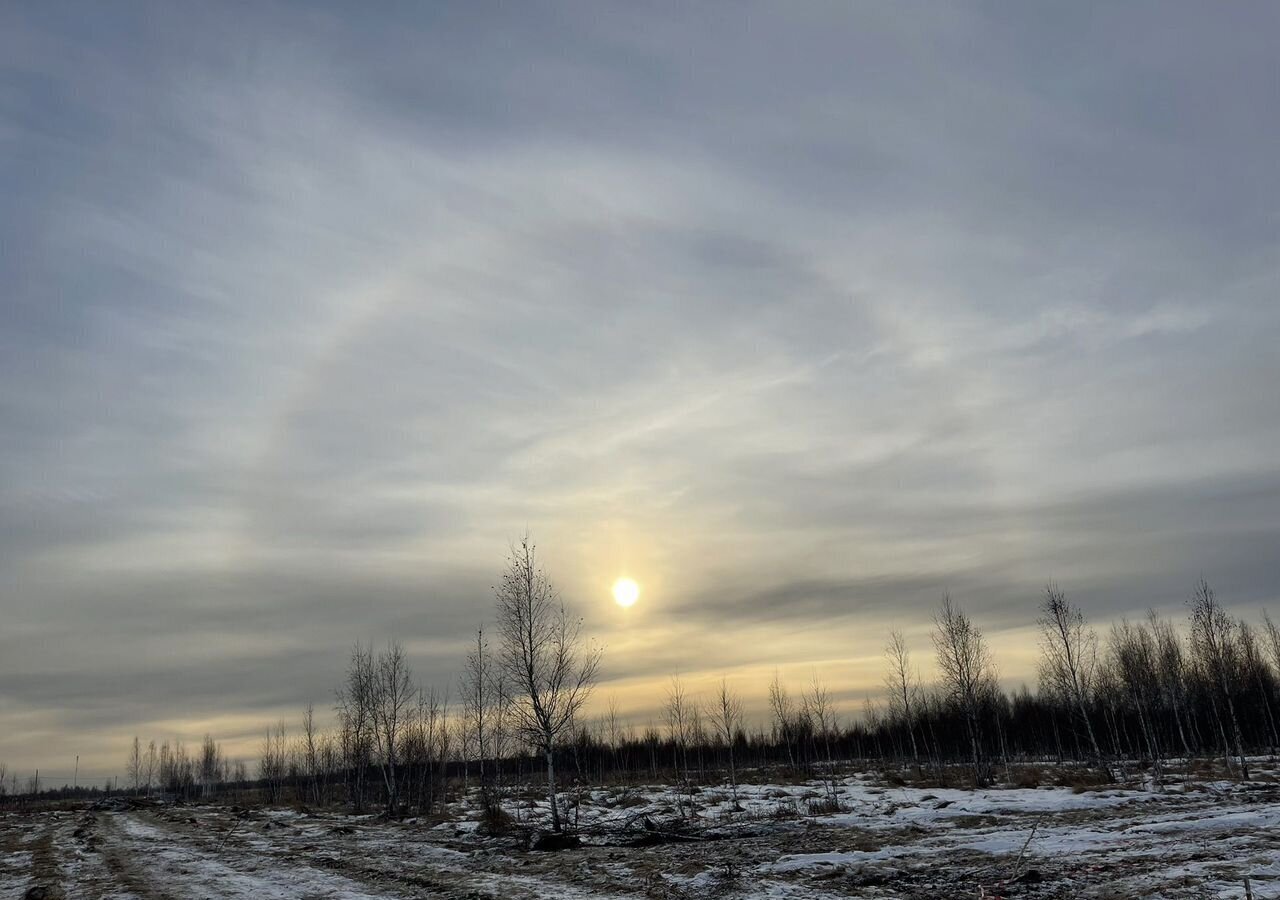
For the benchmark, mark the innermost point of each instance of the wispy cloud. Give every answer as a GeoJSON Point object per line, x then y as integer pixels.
{"type": "Point", "coordinates": [796, 318]}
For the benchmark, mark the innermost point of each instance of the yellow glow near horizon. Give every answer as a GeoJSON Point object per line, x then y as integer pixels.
{"type": "Point", "coordinates": [625, 592]}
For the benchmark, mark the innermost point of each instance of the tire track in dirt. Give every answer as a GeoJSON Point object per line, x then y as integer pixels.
{"type": "Point", "coordinates": [160, 862]}
{"type": "Point", "coordinates": [411, 880]}
{"type": "Point", "coordinates": [119, 864]}
{"type": "Point", "coordinates": [46, 873]}
{"type": "Point", "coordinates": [391, 868]}
{"type": "Point", "coordinates": [333, 857]}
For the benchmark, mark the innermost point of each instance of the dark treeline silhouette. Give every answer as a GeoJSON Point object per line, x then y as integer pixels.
{"type": "Point", "coordinates": [1120, 705]}
{"type": "Point", "coordinates": [1123, 703]}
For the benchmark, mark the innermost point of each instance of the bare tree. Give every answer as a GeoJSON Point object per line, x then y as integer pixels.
{"type": "Point", "coordinates": [1133, 650]}
{"type": "Point", "coordinates": [482, 707]}
{"type": "Point", "coordinates": [726, 719]}
{"type": "Point", "coordinates": [150, 763]}
{"type": "Point", "coordinates": [783, 709]}
{"type": "Point", "coordinates": [1273, 640]}
{"type": "Point", "coordinates": [393, 698]}
{"type": "Point", "coordinates": [1253, 667]}
{"type": "Point", "coordinates": [1070, 657]}
{"type": "Point", "coordinates": [355, 701]}
{"type": "Point", "coordinates": [210, 765]}
{"type": "Point", "coordinates": [273, 764]}
{"type": "Point", "coordinates": [544, 660]}
{"type": "Point", "coordinates": [680, 726]}
{"type": "Point", "coordinates": [427, 746]}
{"type": "Point", "coordinates": [821, 711]}
{"type": "Point", "coordinates": [1213, 637]}
{"type": "Point", "coordinates": [311, 754]}
{"type": "Point", "coordinates": [615, 732]}
{"type": "Point", "coordinates": [135, 764]}
{"type": "Point", "coordinates": [901, 681]}
{"type": "Point", "coordinates": [1171, 663]}
{"type": "Point", "coordinates": [968, 675]}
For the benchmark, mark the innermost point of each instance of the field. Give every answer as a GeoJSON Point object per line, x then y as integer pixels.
{"type": "Point", "coordinates": [782, 842]}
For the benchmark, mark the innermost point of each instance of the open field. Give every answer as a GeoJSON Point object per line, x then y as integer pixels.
{"type": "Point", "coordinates": [885, 841]}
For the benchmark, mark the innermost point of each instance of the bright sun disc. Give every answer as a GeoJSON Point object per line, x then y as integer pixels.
{"type": "Point", "coordinates": [625, 592]}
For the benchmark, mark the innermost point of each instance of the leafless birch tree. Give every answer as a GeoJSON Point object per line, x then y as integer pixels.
{"type": "Point", "coordinates": [1253, 668]}
{"type": "Point", "coordinates": [725, 713]}
{"type": "Point", "coordinates": [679, 714]}
{"type": "Point", "coordinates": [393, 699]}
{"type": "Point", "coordinates": [901, 682]}
{"type": "Point", "coordinates": [820, 710]}
{"type": "Point", "coordinates": [544, 658]}
{"type": "Point", "coordinates": [1070, 657]}
{"type": "Point", "coordinates": [1171, 665]}
{"type": "Point", "coordinates": [1273, 640]}
{"type": "Point", "coordinates": [967, 673]}
{"type": "Point", "coordinates": [150, 762]}
{"type": "Point", "coordinates": [210, 768]}
{"type": "Point", "coordinates": [1133, 650]}
{"type": "Point", "coordinates": [482, 708]}
{"type": "Point", "coordinates": [134, 768]}
{"type": "Point", "coordinates": [356, 722]}
{"type": "Point", "coordinates": [311, 754]}
{"type": "Point", "coordinates": [1213, 637]}
{"type": "Point", "coordinates": [783, 709]}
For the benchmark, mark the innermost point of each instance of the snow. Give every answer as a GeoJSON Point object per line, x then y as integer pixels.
{"type": "Point", "coordinates": [908, 842]}
{"type": "Point", "coordinates": [197, 874]}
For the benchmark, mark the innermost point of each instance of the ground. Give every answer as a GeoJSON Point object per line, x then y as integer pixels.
{"type": "Point", "coordinates": [782, 842]}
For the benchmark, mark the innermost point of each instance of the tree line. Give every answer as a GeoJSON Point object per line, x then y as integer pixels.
{"type": "Point", "coordinates": [1143, 694]}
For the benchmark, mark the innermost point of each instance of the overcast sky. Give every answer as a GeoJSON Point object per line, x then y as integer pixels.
{"type": "Point", "coordinates": [799, 314]}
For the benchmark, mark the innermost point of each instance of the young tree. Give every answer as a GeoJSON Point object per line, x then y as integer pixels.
{"type": "Point", "coordinates": [615, 733]}
{"type": "Point", "coordinates": [1213, 637]}
{"type": "Point", "coordinates": [135, 764]}
{"type": "Point", "coordinates": [393, 697]}
{"type": "Point", "coordinates": [1253, 668]}
{"type": "Point", "coordinates": [1273, 640]}
{"type": "Point", "coordinates": [1070, 657]}
{"type": "Point", "coordinates": [783, 709]}
{"type": "Point", "coordinates": [481, 706]}
{"type": "Point", "coordinates": [726, 718]}
{"type": "Point", "coordinates": [433, 724]}
{"type": "Point", "coordinates": [820, 710]}
{"type": "Point", "coordinates": [1133, 652]}
{"type": "Point", "coordinates": [544, 660]}
{"type": "Point", "coordinates": [679, 726]}
{"type": "Point", "coordinates": [269, 767]}
{"type": "Point", "coordinates": [356, 722]}
{"type": "Point", "coordinates": [902, 687]}
{"type": "Point", "coordinates": [210, 765]}
{"type": "Point", "coordinates": [311, 754]}
{"type": "Point", "coordinates": [1171, 665]}
{"type": "Point", "coordinates": [150, 764]}
{"type": "Point", "coordinates": [968, 675]}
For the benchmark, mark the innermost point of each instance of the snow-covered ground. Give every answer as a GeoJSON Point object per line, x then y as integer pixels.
{"type": "Point", "coordinates": [779, 841]}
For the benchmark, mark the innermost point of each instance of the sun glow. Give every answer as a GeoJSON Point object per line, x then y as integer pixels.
{"type": "Point", "coordinates": [625, 592]}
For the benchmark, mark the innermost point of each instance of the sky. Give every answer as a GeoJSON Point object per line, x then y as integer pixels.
{"type": "Point", "coordinates": [798, 314]}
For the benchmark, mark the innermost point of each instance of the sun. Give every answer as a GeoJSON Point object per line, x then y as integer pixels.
{"type": "Point", "coordinates": [625, 592]}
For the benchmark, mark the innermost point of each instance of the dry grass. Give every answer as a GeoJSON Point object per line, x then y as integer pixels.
{"type": "Point", "coordinates": [823, 806]}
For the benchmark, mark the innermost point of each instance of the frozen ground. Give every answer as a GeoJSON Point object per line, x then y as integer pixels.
{"type": "Point", "coordinates": [884, 842]}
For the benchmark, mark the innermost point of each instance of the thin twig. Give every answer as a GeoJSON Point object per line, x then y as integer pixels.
{"type": "Point", "coordinates": [1017, 866]}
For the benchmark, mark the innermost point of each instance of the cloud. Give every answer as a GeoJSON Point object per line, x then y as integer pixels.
{"type": "Point", "coordinates": [800, 320]}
